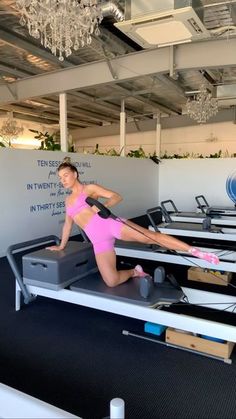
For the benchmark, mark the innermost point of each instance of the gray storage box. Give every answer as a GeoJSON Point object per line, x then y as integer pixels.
{"type": "Point", "coordinates": [56, 270]}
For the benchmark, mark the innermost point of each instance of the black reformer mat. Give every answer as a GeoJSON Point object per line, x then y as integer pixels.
{"type": "Point", "coordinates": [75, 267]}
{"type": "Point", "coordinates": [129, 291]}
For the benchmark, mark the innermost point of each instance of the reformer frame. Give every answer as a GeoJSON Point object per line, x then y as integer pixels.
{"type": "Point", "coordinates": [168, 206]}
{"type": "Point", "coordinates": [151, 314]}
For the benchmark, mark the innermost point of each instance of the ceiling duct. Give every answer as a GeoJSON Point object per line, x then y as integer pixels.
{"type": "Point", "coordinates": [163, 22]}
{"type": "Point", "coordinates": [110, 8]}
{"type": "Point", "coordinates": [226, 95]}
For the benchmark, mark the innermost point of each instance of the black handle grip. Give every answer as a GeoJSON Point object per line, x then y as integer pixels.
{"type": "Point", "coordinates": [104, 212]}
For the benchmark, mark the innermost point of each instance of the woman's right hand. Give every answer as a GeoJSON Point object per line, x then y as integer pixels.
{"type": "Point", "coordinates": [55, 248]}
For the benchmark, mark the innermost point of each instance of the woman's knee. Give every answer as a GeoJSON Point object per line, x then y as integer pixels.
{"type": "Point", "coordinates": [111, 280]}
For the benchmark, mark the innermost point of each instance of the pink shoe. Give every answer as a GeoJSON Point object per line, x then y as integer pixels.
{"type": "Point", "coordinates": [138, 271]}
{"type": "Point", "coordinates": [209, 257]}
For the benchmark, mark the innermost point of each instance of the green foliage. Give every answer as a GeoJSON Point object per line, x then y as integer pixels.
{"type": "Point", "coordinates": [154, 157]}
{"type": "Point", "coordinates": [111, 152]}
{"type": "Point", "coordinates": [5, 142]}
{"type": "Point", "coordinates": [47, 141]}
{"type": "Point", "coordinates": [139, 153]}
{"type": "Point", "coordinates": [216, 155]}
{"type": "Point", "coordinates": [50, 142]}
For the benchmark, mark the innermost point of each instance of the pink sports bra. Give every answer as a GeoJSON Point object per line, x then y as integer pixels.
{"type": "Point", "coordinates": [78, 205]}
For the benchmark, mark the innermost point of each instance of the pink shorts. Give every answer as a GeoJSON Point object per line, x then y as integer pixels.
{"type": "Point", "coordinates": [103, 232]}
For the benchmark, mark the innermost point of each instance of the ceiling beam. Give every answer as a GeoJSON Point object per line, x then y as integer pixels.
{"type": "Point", "coordinates": [73, 109]}
{"type": "Point", "coordinates": [13, 71]}
{"type": "Point", "coordinates": [40, 114]}
{"type": "Point", "coordinates": [103, 105]}
{"type": "Point", "coordinates": [18, 41]}
{"type": "Point", "coordinates": [154, 103]}
{"type": "Point", "coordinates": [199, 55]}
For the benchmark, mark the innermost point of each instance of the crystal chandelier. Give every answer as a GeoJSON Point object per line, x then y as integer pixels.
{"type": "Point", "coordinates": [9, 131]}
{"type": "Point", "coordinates": [61, 25]}
{"type": "Point", "coordinates": [203, 106]}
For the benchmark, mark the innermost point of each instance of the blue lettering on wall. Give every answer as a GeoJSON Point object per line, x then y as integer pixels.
{"type": "Point", "coordinates": [54, 188]}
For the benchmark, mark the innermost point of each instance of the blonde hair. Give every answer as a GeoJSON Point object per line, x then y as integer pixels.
{"type": "Point", "coordinates": [66, 164]}
{"type": "Point", "coordinates": [67, 159]}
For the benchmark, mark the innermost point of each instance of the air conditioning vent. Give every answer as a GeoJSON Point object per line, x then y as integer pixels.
{"type": "Point", "coordinates": [165, 28]}
{"type": "Point", "coordinates": [195, 26]}
{"type": "Point", "coordinates": [155, 20]}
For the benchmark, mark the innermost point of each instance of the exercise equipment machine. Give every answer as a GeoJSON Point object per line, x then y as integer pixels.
{"type": "Point", "coordinates": [205, 230]}
{"type": "Point", "coordinates": [203, 216]}
{"type": "Point", "coordinates": [74, 269]}
{"type": "Point", "coordinates": [214, 210]}
{"type": "Point", "coordinates": [89, 290]}
{"type": "Point", "coordinates": [110, 302]}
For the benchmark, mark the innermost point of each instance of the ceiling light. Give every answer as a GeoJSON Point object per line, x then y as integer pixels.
{"type": "Point", "coordinates": [9, 130]}
{"type": "Point", "coordinates": [202, 106]}
{"type": "Point", "coordinates": [61, 25]}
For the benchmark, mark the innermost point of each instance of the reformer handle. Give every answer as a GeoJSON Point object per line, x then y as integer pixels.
{"type": "Point", "coordinates": [202, 205]}
{"type": "Point", "coordinates": [104, 211]}
{"type": "Point", "coordinates": [12, 262]}
{"type": "Point", "coordinates": [174, 208]}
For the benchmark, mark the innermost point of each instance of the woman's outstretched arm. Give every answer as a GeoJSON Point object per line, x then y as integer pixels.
{"type": "Point", "coordinates": [66, 230]}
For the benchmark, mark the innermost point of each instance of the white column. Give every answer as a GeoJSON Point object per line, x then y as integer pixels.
{"type": "Point", "coordinates": [122, 128]}
{"type": "Point", "coordinates": [158, 135]}
{"type": "Point", "coordinates": [63, 121]}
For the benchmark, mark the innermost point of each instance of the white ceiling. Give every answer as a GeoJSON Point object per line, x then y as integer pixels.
{"type": "Point", "coordinates": [22, 58]}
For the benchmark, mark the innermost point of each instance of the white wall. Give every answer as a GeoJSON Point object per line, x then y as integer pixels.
{"type": "Point", "coordinates": [182, 180]}
{"type": "Point", "coordinates": [206, 139]}
{"type": "Point", "coordinates": [203, 139]}
{"type": "Point", "coordinates": [134, 141]}
{"type": "Point", "coordinates": [32, 201]}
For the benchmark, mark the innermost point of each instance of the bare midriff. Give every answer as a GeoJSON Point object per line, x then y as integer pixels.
{"type": "Point", "coordinates": [83, 218]}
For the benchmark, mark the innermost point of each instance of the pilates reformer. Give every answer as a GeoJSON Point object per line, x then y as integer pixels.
{"type": "Point", "coordinates": [204, 214]}
{"type": "Point", "coordinates": [70, 275]}
{"type": "Point", "coordinates": [204, 206]}
{"type": "Point", "coordinates": [74, 270]}
{"type": "Point", "coordinates": [186, 229]}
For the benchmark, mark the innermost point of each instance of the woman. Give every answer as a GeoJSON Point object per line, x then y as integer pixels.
{"type": "Point", "coordinates": [103, 232]}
